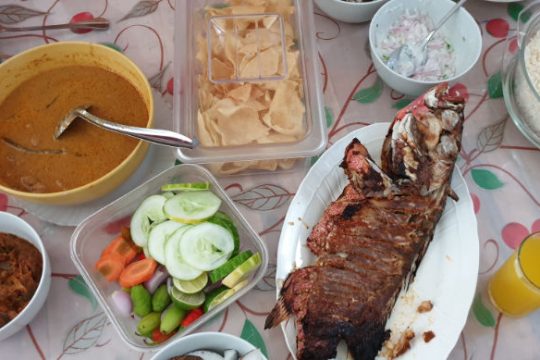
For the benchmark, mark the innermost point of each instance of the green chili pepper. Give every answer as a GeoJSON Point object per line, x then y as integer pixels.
{"type": "Point", "coordinates": [142, 301]}
{"type": "Point", "coordinates": [172, 317]}
{"type": "Point", "coordinates": [160, 299]}
{"type": "Point", "coordinates": [149, 323]}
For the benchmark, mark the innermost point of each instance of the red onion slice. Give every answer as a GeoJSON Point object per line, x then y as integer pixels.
{"type": "Point", "coordinates": [157, 279]}
{"type": "Point", "coordinates": [122, 302]}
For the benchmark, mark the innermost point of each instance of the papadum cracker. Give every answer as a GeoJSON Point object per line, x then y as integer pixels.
{"type": "Point", "coordinates": [250, 88]}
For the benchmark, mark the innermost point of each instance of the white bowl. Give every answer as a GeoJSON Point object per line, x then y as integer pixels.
{"type": "Point", "coordinates": [348, 11]}
{"type": "Point", "coordinates": [204, 341]}
{"type": "Point", "coordinates": [14, 225]}
{"type": "Point", "coordinates": [461, 30]}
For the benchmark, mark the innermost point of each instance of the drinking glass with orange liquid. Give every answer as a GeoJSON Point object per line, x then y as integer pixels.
{"type": "Point", "coordinates": [515, 288]}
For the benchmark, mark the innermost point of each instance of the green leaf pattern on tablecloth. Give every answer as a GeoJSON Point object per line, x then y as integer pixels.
{"type": "Point", "coordinates": [112, 46]}
{"type": "Point", "coordinates": [401, 103]}
{"type": "Point", "coordinates": [329, 115]}
{"type": "Point", "coordinates": [252, 335]}
{"type": "Point", "coordinates": [482, 313]}
{"type": "Point", "coordinates": [370, 94]}
{"type": "Point", "coordinates": [78, 286]}
{"type": "Point", "coordinates": [514, 9]}
{"type": "Point", "coordinates": [495, 86]}
{"type": "Point", "coordinates": [486, 179]}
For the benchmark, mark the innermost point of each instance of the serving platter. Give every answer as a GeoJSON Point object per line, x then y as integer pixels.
{"type": "Point", "coordinates": [449, 267]}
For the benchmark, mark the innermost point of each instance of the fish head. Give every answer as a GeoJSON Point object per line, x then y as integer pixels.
{"type": "Point", "coordinates": [424, 140]}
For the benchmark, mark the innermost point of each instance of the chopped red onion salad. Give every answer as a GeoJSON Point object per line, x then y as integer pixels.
{"type": "Point", "coordinates": [412, 28]}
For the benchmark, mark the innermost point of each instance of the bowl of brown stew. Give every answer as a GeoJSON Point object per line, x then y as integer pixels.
{"type": "Point", "coordinates": [37, 89]}
{"type": "Point", "coordinates": [25, 274]}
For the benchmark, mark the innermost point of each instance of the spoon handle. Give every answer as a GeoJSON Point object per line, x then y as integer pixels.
{"type": "Point", "coordinates": [157, 136]}
{"type": "Point", "coordinates": [95, 24]}
{"type": "Point", "coordinates": [443, 21]}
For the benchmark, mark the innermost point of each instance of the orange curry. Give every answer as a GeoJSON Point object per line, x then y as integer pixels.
{"type": "Point", "coordinates": [32, 160]}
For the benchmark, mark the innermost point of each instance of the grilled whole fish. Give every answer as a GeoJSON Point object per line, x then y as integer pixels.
{"type": "Point", "coordinates": [370, 241]}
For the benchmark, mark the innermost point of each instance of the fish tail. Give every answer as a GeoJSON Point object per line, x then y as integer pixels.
{"type": "Point", "coordinates": [279, 313]}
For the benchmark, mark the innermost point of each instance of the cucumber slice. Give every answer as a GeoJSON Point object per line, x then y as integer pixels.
{"type": "Point", "coordinates": [220, 298]}
{"type": "Point", "coordinates": [174, 262]}
{"type": "Point", "coordinates": [213, 295]}
{"type": "Point", "coordinates": [168, 194]}
{"type": "Point", "coordinates": [195, 186]}
{"type": "Point", "coordinates": [229, 266]}
{"type": "Point", "coordinates": [192, 207]}
{"type": "Point", "coordinates": [222, 219]}
{"type": "Point", "coordinates": [149, 212]}
{"type": "Point", "coordinates": [158, 238]}
{"type": "Point", "coordinates": [206, 246]}
{"type": "Point", "coordinates": [242, 271]}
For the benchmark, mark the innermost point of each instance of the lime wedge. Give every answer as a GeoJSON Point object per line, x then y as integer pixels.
{"type": "Point", "coordinates": [191, 286]}
{"type": "Point", "coordinates": [196, 186]}
{"type": "Point", "coordinates": [220, 296]}
{"type": "Point", "coordinates": [187, 301]}
{"type": "Point", "coordinates": [242, 271]}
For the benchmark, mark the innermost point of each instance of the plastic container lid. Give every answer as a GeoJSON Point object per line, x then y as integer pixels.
{"type": "Point", "coordinates": [248, 84]}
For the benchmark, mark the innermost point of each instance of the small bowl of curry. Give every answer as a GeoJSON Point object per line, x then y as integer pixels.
{"type": "Point", "coordinates": [25, 274]}
{"type": "Point", "coordinates": [37, 89]}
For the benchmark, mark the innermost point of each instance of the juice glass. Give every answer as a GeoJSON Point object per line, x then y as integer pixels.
{"type": "Point", "coordinates": [515, 288]}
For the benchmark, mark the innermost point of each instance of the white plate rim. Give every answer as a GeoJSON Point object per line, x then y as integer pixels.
{"type": "Point", "coordinates": [368, 134]}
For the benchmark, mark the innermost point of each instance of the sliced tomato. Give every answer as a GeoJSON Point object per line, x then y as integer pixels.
{"type": "Point", "coordinates": [158, 337]}
{"type": "Point", "coordinates": [192, 316]}
{"type": "Point", "coordinates": [110, 266]}
{"type": "Point", "coordinates": [122, 247]}
{"type": "Point", "coordinates": [137, 273]}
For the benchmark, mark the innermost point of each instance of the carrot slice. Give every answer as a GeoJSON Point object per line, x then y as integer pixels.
{"type": "Point", "coordinates": [137, 272]}
{"type": "Point", "coordinates": [122, 247]}
{"type": "Point", "coordinates": [110, 266]}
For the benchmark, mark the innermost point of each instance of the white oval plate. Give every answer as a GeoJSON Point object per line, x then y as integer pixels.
{"type": "Point", "coordinates": [449, 267]}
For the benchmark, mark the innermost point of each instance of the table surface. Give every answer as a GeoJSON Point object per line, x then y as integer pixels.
{"type": "Point", "coordinates": [499, 165]}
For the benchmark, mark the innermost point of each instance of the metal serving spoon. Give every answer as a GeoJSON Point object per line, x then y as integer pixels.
{"type": "Point", "coordinates": [407, 58]}
{"type": "Point", "coordinates": [156, 136]}
{"type": "Point", "coordinates": [95, 24]}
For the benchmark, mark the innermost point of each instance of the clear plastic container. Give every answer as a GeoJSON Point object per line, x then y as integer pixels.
{"type": "Point", "coordinates": [94, 234]}
{"type": "Point", "coordinates": [193, 22]}
{"type": "Point", "coordinates": [521, 93]}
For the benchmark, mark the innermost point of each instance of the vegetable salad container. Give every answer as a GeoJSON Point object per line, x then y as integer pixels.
{"type": "Point", "coordinates": [96, 232]}
{"type": "Point", "coordinates": [248, 84]}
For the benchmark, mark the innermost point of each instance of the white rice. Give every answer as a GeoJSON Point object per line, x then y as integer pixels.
{"type": "Point", "coordinates": [527, 101]}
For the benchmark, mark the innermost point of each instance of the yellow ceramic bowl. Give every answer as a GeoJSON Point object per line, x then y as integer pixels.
{"type": "Point", "coordinates": [28, 64]}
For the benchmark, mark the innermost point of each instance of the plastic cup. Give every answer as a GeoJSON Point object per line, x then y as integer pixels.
{"type": "Point", "coordinates": [515, 288]}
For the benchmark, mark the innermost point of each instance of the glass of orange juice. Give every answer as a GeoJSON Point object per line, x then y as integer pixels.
{"type": "Point", "coordinates": [515, 288]}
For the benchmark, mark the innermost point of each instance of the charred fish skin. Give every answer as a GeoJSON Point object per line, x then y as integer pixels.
{"type": "Point", "coordinates": [370, 241]}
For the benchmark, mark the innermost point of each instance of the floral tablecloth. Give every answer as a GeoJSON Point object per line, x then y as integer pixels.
{"type": "Point", "coordinates": [500, 166]}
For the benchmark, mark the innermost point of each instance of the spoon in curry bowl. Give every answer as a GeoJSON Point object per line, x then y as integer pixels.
{"type": "Point", "coordinates": [156, 136]}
